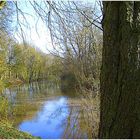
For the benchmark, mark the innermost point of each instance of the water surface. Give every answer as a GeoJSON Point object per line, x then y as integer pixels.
{"type": "Point", "coordinates": [41, 109]}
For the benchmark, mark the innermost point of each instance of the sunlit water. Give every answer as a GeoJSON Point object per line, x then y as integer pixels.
{"type": "Point", "coordinates": [44, 111]}
{"type": "Point", "coordinates": [47, 123]}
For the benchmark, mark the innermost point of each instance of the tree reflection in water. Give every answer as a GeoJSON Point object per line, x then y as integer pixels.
{"type": "Point", "coordinates": [60, 115]}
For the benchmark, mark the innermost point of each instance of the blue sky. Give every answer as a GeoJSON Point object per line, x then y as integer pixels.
{"type": "Point", "coordinates": [35, 34]}
{"type": "Point", "coordinates": [39, 35]}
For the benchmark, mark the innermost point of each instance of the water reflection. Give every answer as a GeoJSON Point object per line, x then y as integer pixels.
{"type": "Point", "coordinates": [43, 110]}
{"type": "Point", "coordinates": [48, 121]}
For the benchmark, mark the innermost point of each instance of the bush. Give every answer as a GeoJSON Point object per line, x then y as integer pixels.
{"type": "Point", "coordinates": [1, 86]}
{"type": "Point", "coordinates": [3, 108]}
{"type": "Point", "coordinates": [68, 81]}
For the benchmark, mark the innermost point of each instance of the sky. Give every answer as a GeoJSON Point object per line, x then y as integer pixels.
{"type": "Point", "coordinates": [39, 35]}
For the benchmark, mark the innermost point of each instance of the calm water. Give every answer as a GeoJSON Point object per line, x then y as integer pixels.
{"type": "Point", "coordinates": [41, 109]}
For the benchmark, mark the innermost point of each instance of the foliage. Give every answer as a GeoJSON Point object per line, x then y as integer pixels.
{"type": "Point", "coordinates": [78, 42]}
{"type": "Point", "coordinates": [23, 62]}
{"type": "Point", "coordinates": [3, 108]}
{"type": "Point", "coordinates": [68, 81]}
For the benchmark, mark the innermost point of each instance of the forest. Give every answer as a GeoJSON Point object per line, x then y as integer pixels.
{"type": "Point", "coordinates": [72, 67]}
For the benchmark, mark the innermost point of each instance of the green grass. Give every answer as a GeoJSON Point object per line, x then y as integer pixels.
{"type": "Point", "coordinates": [9, 132]}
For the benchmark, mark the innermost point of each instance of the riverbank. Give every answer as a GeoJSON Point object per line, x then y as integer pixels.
{"type": "Point", "coordinates": [9, 132]}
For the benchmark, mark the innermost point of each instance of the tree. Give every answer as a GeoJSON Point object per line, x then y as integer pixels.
{"type": "Point", "coordinates": [77, 39]}
{"type": "Point", "coordinates": [120, 72]}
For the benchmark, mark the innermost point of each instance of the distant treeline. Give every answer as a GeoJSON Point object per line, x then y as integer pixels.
{"type": "Point", "coordinates": [23, 62]}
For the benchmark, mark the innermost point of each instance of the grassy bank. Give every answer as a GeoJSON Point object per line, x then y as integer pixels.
{"type": "Point", "coordinates": [9, 132]}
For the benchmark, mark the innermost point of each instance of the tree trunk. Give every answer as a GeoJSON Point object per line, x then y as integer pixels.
{"type": "Point", "coordinates": [120, 72]}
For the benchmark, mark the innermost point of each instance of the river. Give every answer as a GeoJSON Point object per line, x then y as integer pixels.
{"type": "Point", "coordinates": [43, 110]}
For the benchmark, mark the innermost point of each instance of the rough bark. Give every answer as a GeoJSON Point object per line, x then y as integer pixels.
{"type": "Point", "coordinates": [120, 72]}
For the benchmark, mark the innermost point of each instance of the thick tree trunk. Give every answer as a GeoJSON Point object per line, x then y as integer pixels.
{"type": "Point", "coordinates": [120, 72]}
